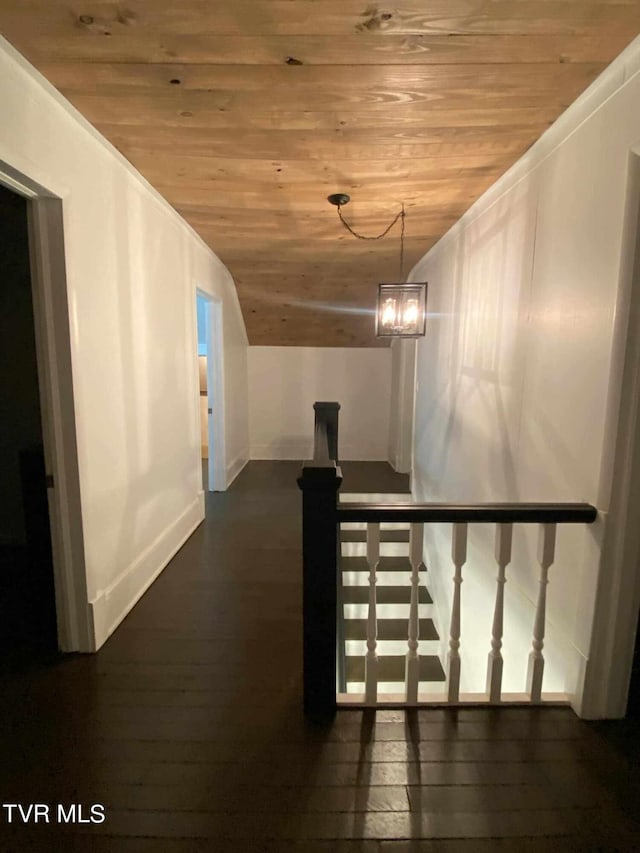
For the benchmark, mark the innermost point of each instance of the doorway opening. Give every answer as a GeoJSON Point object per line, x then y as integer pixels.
{"type": "Point", "coordinates": [28, 629]}
{"type": "Point", "coordinates": [41, 536]}
{"type": "Point", "coordinates": [210, 388]}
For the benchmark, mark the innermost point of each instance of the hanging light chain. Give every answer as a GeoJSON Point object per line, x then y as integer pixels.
{"type": "Point", "coordinates": [400, 216]}
{"type": "Point", "coordinates": [402, 244]}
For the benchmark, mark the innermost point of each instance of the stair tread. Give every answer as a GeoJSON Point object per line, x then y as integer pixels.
{"type": "Point", "coordinates": [384, 595]}
{"type": "Point", "coordinates": [392, 668]}
{"type": "Point", "coordinates": [385, 535]}
{"type": "Point", "coordinates": [386, 564]}
{"type": "Point", "coordinates": [389, 629]}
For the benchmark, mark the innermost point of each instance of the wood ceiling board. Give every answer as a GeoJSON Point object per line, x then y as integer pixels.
{"type": "Point", "coordinates": [360, 49]}
{"type": "Point", "coordinates": [425, 192]}
{"type": "Point", "coordinates": [375, 109]}
{"type": "Point", "coordinates": [314, 292]}
{"type": "Point", "coordinates": [330, 268]}
{"type": "Point", "coordinates": [272, 241]}
{"type": "Point", "coordinates": [156, 110]}
{"type": "Point", "coordinates": [331, 17]}
{"type": "Point", "coordinates": [327, 255]}
{"type": "Point", "coordinates": [319, 145]}
{"type": "Point", "coordinates": [309, 326]}
{"type": "Point", "coordinates": [421, 103]}
{"type": "Point", "coordinates": [312, 211]}
{"type": "Point", "coordinates": [311, 173]}
{"type": "Point", "coordinates": [349, 332]}
{"type": "Point", "coordinates": [445, 202]}
{"type": "Point", "coordinates": [319, 225]}
{"type": "Point", "coordinates": [309, 81]}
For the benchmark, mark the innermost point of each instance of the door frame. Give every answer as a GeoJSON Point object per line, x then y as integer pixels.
{"type": "Point", "coordinates": [55, 379]}
{"type": "Point", "coordinates": [217, 472]}
{"type": "Point", "coordinates": [618, 591]}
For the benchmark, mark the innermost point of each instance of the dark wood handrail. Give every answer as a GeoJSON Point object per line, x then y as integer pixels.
{"type": "Point", "coordinates": [325, 444]}
{"type": "Point", "coordinates": [500, 513]}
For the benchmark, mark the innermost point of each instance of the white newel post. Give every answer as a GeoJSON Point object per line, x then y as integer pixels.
{"type": "Point", "coordinates": [412, 668]}
{"type": "Point", "coordinates": [504, 537]}
{"type": "Point", "coordinates": [546, 553]}
{"type": "Point", "coordinates": [371, 659]}
{"type": "Point", "coordinates": [459, 556]}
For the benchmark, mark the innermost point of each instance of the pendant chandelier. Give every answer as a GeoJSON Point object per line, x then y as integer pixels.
{"type": "Point", "coordinates": [401, 310]}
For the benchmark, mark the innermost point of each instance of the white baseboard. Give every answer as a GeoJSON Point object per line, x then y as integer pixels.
{"type": "Point", "coordinates": [111, 605]}
{"type": "Point", "coordinates": [576, 671]}
{"type": "Point", "coordinates": [398, 465]}
{"type": "Point", "coordinates": [236, 466]}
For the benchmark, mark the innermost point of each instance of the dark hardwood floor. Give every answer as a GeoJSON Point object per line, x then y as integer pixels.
{"type": "Point", "coordinates": [187, 728]}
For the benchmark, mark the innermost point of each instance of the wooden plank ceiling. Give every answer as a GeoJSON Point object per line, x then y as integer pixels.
{"type": "Point", "coordinates": [246, 114]}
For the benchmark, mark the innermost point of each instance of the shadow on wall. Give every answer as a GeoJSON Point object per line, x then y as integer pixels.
{"type": "Point", "coordinates": [472, 361]}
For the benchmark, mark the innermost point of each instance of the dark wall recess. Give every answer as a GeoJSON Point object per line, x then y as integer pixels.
{"type": "Point", "coordinates": [27, 600]}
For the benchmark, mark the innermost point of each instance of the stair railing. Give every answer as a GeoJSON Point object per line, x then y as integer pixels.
{"type": "Point", "coordinates": [322, 516]}
{"type": "Point", "coordinates": [546, 515]}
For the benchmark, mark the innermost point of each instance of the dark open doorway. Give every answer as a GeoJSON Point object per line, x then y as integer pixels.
{"type": "Point", "coordinates": [28, 631]}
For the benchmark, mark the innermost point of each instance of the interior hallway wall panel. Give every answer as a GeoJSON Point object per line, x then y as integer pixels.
{"type": "Point", "coordinates": [285, 382]}
{"type": "Point", "coordinates": [132, 269]}
{"type": "Point", "coordinates": [516, 374]}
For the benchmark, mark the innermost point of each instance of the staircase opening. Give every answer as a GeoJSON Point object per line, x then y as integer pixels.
{"type": "Point", "coordinates": [370, 634]}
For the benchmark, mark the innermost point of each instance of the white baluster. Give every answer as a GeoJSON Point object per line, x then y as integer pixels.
{"type": "Point", "coordinates": [546, 554]}
{"type": "Point", "coordinates": [412, 667]}
{"type": "Point", "coordinates": [371, 659]}
{"type": "Point", "coordinates": [504, 536]}
{"type": "Point", "coordinates": [459, 557]}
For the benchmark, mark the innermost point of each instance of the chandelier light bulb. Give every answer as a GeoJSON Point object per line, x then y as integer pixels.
{"type": "Point", "coordinates": [410, 313]}
{"type": "Point", "coordinates": [389, 313]}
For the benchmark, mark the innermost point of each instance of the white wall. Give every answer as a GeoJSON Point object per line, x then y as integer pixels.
{"type": "Point", "coordinates": [403, 377]}
{"type": "Point", "coordinates": [517, 385]}
{"type": "Point", "coordinates": [285, 382]}
{"type": "Point", "coordinates": [132, 269]}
